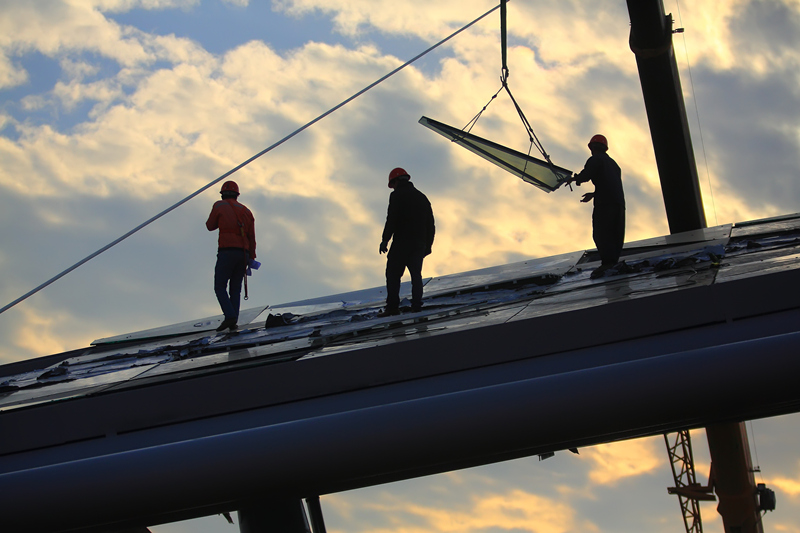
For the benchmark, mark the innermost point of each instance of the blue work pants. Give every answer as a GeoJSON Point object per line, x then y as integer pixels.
{"type": "Point", "coordinates": [228, 275]}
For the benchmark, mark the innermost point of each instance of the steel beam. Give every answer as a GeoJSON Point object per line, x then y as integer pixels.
{"type": "Point", "coordinates": [376, 445]}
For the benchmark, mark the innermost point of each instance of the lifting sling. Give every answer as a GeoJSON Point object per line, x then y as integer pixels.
{"type": "Point", "coordinates": [540, 173]}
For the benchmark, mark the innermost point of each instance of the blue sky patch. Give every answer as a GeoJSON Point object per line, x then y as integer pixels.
{"type": "Point", "coordinates": [219, 28]}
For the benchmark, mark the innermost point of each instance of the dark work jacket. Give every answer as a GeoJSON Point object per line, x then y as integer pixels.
{"type": "Point", "coordinates": [607, 178]}
{"type": "Point", "coordinates": [409, 220]}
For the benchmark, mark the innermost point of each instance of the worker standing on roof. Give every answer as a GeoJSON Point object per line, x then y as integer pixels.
{"type": "Point", "coordinates": [410, 225]}
{"type": "Point", "coordinates": [237, 248]}
{"type": "Point", "coordinates": [608, 217]}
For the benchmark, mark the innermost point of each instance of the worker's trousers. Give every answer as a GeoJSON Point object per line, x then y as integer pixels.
{"type": "Point", "coordinates": [608, 231]}
{"type": "Point", "coordinates": [228, 275]}
{"type": "Point", "coordinates": [398, 259]}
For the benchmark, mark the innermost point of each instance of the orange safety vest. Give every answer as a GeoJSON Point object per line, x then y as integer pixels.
{"type": "Point", "coordinates": [236, 226]}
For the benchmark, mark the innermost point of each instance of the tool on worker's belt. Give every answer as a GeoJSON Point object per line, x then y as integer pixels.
{"type": "Point", "coordinates": [247, 259]}
{"type": "Point", "coordinates": [246, 296]}
{"type": "Point", "coordinates": [252, 264]}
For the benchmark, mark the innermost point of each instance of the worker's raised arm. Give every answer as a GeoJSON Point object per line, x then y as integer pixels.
{"type": "Point", "coordinates": [591, 170]}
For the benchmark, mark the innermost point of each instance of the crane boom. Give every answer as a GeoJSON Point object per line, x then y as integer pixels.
{"type": "Point", "coordinates": [651, 42]}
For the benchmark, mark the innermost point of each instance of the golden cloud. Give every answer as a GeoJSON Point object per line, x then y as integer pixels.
{"type": "Point", "coordinates": [39, 333]}
{"type": "Point", "coordinates": [514, 510]}
{"type": "Point", "coordinates": [620, 460]}
{"type": "Point", "coordinates": [788, 485]}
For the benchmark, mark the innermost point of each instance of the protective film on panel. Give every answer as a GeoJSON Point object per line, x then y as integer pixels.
{"type": "Point", "coordinates": [538, 173]}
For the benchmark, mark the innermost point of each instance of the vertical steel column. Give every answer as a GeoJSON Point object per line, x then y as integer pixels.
{"type": "Point", "coordinates": [315, 513]}
{"type": "Point", "coordinates": [651, 41]}
{"type": "Point", "coordinates": [734, 482]}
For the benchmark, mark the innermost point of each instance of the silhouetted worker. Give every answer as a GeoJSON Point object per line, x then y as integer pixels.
{"type": "Point", "coordinates": [608, 217]}
{"type": "Point", "coordinates": [410, 225]}
{"type": "Point", "coordinates": [237, 247]}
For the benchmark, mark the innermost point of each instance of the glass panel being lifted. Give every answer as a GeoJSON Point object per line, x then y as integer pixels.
{"type": "Point", "coordinates": [538, 173]}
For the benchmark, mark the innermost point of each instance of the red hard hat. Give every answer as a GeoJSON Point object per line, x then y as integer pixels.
{"type": "Point", "coordinates": [599, 139]}
{"type": "Point", "coordinates": [230, 186]}
{"type": "Point", "coordinates": [397, 173]}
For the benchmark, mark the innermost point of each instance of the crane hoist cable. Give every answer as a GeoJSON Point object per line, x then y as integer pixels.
{"type": "Point", "coordinates": [504, 77]}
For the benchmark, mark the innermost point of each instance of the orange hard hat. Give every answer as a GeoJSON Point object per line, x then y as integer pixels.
{"type": "Point", "coordinates": [230, 186]}
{"type": "Point", "coordinates": [397, 173]}
{"type": "Point", "coordinates": [599, 139]}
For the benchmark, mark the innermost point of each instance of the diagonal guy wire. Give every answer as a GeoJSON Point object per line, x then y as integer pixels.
{"type": "Point", "coordinates": [242, 165]}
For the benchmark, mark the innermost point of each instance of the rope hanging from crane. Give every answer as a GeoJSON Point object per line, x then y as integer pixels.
{"type": "Point", "coordinates": [504, 75]}
{"type": "Point", "coordinates": [542, 174]}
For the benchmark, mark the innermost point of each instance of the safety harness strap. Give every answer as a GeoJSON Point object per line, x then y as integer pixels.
{"type": "Point", "coordinates": [245, 249]}
{"type": "Point", "coordinates": [504, 75]}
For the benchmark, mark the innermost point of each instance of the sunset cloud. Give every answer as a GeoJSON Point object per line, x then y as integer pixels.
{"type": "Point", "coordinates": [621, 460]}
{"type": "Point", "coordinates": [113, 110]}
{"type": "Point", "coordinates": [515, 510]}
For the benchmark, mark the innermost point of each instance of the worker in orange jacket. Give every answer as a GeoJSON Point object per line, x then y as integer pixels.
{"type": "Point", "coordinates": [237, 248]}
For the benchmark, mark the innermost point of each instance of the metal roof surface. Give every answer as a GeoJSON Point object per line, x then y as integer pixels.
{"type": "Point", "coordinates": [348, 321]}
{"type": "Point", "coordinates": [340, 398]}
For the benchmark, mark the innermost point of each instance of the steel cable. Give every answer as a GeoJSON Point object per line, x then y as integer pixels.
{"type": "Point", "coordinates": [244, 164]}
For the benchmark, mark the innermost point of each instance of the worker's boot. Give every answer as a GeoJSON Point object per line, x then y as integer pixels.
{"type": "Point", "coordinates": [388, 311]}
{"type": "Point", "coordinates": [226, 324]}
{"type": "Point", "coordinates": [600, 271]}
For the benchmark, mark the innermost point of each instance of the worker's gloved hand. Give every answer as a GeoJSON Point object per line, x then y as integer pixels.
{"type": "Point", "coordinates": [574, 179]}
{"type": "Point", "coordinates": [588, 197]}
{"type": "Point", "coordinates": [383, 248]}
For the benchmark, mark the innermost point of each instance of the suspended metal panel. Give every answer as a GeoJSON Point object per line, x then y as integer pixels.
{"type": "Point", "coordinates": [538, 173]}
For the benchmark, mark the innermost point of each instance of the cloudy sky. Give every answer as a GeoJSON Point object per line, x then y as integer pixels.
{"type": "Point", "coordinates": [113, 110]}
